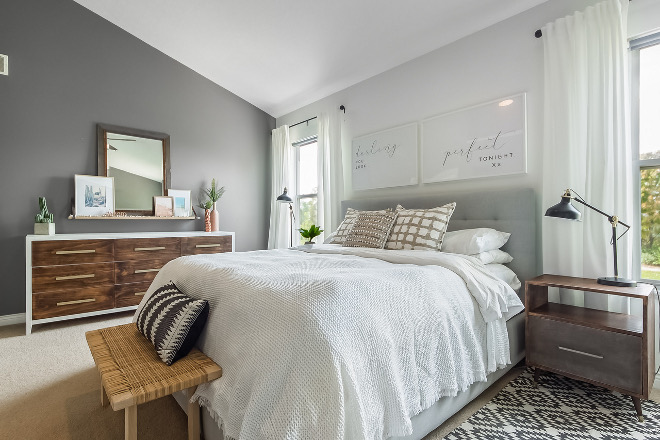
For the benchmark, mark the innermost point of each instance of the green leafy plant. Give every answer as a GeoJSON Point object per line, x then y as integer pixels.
{"type": "Point", "coordinates": [311, 232]}
{"type": "Point", "coordinates": [210, 195]}
{"type": "Point", "coordinates": [214, 193]}
{"type": "Point", "coordinates": [207, 204]}
{"type": "Point", "coordinates": [44, 216]}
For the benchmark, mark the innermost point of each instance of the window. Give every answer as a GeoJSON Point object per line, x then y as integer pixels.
{"type": "Point", "coordinates": [646, 142]}
{"type": "Point", "coordinates": [307, 183]}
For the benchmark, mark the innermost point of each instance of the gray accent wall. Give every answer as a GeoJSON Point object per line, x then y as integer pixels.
{"type": "Point", "coordinates": [71, 69]}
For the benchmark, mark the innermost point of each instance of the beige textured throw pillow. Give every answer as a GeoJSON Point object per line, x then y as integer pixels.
{"type": "Point", "coordinates": [345, 227]}
{"type": "Point", "coordinates": [420, 228]}
{"type": "Point", "coordinates": [370, 230]}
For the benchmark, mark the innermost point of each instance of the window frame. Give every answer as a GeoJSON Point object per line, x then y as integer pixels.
{"type": "Point", "coordinates": [636, 45]}
{"type": "Point", "coordinates": [299, 197]}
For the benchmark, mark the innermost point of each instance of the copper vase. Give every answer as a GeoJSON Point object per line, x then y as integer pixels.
{"type": "Point", "coordinates": [215, 220]}
{"type": "Point", "coordinates": [207, 220]}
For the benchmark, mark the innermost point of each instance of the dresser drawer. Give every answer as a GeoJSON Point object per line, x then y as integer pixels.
{"type": "Point", "coordinates": [205, 245]}
{"type": "Point", "coordinates": [72, 276]}
{"type": "Point", "coordinates": [603, 356]}
{"type": "Point", "coordinates": [56, 252]}
{"type": "Point", "coordinates": [137, 271]}
{"type": "Point", "coordinates": [130, 294]}
{"type": "Point", "coordinates": [147, 248]}
{"type": "Point", "coordinates": [71, 302]}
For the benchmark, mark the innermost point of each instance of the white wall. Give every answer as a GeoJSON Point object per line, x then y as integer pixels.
{"type": "Point", "coordinates": [502, 60]}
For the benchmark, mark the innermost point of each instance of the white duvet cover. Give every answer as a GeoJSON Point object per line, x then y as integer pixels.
{"type": "Point", "coordinates": [341, 343]}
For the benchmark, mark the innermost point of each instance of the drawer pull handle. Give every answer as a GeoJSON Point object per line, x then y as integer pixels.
{"type": "Point", "coordinates": [140, 293]}
{"type": "Point", "coordinates": [146, 270]}
{"type": "Point", "coordinates": [74, 277]}
{"type": "Point", "coordinates": [208, 245]}
{"type": "Point", "coordinates": [580, 352]}
{"type": "Point", "coordinates": [84, 251]}
{"type": "Point", "coordinates": [155, 248]}
{"type": "Point", "coordinates": [78, 301]}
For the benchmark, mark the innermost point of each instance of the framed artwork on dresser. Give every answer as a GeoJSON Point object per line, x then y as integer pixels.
{"type": "Point", "coordinates": [182, 205]}
{"type": "Point", "coordinates": [94, 195]}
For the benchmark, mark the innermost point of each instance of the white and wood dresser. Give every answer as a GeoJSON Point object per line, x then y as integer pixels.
{"type": "Point", "coordinates": [71, 276]}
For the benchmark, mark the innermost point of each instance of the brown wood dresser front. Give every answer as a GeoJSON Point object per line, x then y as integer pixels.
{"type": "Point", "coordinates": [68, 279]}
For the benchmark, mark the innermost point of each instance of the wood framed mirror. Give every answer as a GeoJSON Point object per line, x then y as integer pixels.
{"type": "Point", "coordinates": [139, 160]}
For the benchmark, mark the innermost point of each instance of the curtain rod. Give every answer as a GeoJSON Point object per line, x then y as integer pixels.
{"type": "Point", "coordinates": [539, 34]}
{"type": "Point", "coordinates": [302, 122]}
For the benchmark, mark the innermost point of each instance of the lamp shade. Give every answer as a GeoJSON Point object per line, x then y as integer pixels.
{"type": "Point", "coordinates": [564, 209]}
{"type": "Point", "coordinates": [284, 197]}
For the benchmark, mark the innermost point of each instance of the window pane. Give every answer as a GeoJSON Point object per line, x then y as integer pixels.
{"type": "Point", "coordinates": [650, 205]}
{"type": "Point", "coordinates": [307, 168]}
{"type": "Point", "coordinates": [307, 215]}
{"type": "Point", "coordinates": [649, 102]}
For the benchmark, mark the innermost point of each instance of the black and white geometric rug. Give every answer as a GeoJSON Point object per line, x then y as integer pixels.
{"type": "Point", "coordinates": [561, 409]}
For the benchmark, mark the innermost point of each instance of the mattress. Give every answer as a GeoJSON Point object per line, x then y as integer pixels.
{"type": "Point", "coordinates": [409, 345]}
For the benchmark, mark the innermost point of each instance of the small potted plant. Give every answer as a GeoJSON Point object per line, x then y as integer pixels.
{"type": "Point", "coordinates": [310, 233]}
{"type": "Point", "coordinates": [211, 216]}
{"type": "Point", "coordinates": [43, 222]}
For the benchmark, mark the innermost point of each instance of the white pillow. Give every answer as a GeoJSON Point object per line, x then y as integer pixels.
{"type": "Point", "coordinates": [505, 274]}
{"type": "Point", "coordinates": [473, 241]}
{"type": "Point", "coordinates": [496, 256]}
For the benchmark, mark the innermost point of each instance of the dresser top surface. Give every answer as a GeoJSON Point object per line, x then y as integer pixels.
{"type": "Point", "coordinates": [118, 235]}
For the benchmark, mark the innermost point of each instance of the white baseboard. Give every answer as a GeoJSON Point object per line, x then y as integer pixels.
{"type": "Point", "coordinates": [18, 318]}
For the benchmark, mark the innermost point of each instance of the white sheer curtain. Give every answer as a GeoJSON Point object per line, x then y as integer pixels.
{"type": "Point", "coordinates": [330, 173]}
{"type": "Point", "coordinates": [586, 145]}
{"type": "Point", "coordinates": [282, 175]}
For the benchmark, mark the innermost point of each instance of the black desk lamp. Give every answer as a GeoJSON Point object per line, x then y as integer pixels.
{"type": "Point", "coordinates": [566, 210]}
{"type": "Point", "coordinates": [284, 198]}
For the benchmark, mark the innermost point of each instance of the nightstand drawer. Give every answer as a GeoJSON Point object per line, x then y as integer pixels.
{"type": "Point", "coordinates": [147, 248]}
{"type": "Point", "coordinates": [130, 294]}
{"type": "Point", "coordinates": [606, 357]}
{"type": "Point", "coordinates": [56, 252]}
{"type": "Point", "coordinates": [137, 271]}
{"type": "Point", "coordinates": [70, 302]}
{"type": "Point", "coordinates": [205, 245]}
{"type": "Point", "coordinates": [72, 276]}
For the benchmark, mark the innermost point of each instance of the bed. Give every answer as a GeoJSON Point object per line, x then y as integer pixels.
{"type": "Point", "coordinates": [511, 211]}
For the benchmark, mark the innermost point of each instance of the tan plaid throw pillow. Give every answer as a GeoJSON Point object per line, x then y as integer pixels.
{"type": "Point", "coordinates": [420, 228]}
{"type": "Point", "coordinates": [345, 227]}
{"type": "Point", "coordinates": [370, 230]}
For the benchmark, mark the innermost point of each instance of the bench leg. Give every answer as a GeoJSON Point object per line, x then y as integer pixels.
{"type": "Point", "coordinates": [104, 397]}
{"type": "Point", "coordinates": [194, 431]}
{"type": "Point", "coordinates": [130, 423]}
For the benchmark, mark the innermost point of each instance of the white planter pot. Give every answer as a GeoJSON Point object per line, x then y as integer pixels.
{"type": "Point", "coordinates": [44, 228]}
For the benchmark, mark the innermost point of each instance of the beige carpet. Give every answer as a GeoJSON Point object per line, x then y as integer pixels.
{"type": "Point", "coordinates": [50, 389]}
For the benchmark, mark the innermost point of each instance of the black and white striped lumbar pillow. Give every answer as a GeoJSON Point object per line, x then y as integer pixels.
{"type": "Point", "coordinates": [172, 321]}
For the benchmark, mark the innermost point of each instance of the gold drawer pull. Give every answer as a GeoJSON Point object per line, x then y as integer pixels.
{"type": "Point", "coordinates": [580, 352]}
{"type": "Point", "coordinates": [146, 270]}
{"type": "Point", "coordinates": [84, 251]}
{"type": "Point", "coordinates": [78, 301]}
{"type": "Point", "coordinates": [74, 277]}
{"type": "Point", "coordinates": [155, 248]}
{"type": "Point", "coordinates": [208, 245]}
{"type": "Point", "coordinates": [140, 293]}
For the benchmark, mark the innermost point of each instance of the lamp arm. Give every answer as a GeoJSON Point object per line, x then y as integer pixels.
{"type": "Point", "coordinates": [611, 218]}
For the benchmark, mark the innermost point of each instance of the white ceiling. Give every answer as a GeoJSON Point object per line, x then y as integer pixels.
{"type": "Point", "coordinates": [283, 54]}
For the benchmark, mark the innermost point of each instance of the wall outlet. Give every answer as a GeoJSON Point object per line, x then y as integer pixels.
{"type": "Point", "coordinates": [4, 64]}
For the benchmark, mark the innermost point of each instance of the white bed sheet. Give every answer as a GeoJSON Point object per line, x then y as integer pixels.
{"type": "Point", "coordinates": [328, 345]}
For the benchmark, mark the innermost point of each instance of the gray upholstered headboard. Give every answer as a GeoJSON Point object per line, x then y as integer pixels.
{"type": "Point", "coordinates": [511, 210]}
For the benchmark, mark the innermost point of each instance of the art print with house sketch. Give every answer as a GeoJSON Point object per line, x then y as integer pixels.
{"type": "Point", "coordinates": [94, 195]}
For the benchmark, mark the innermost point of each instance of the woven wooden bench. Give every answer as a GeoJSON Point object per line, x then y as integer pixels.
{"type": "Point", "coordinates": [132, 374]}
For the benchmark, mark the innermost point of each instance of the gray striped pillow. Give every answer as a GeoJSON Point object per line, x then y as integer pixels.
{"type": "Point", "coordinates": [345, 227]}
{"type": "Point", "coordinates": [370, 229]}
{"type": "Point", "coordinates": [172, 321]}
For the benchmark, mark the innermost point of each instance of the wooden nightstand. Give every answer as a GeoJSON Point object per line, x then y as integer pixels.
{"type": "Point", "coordinates": [612, 350]}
